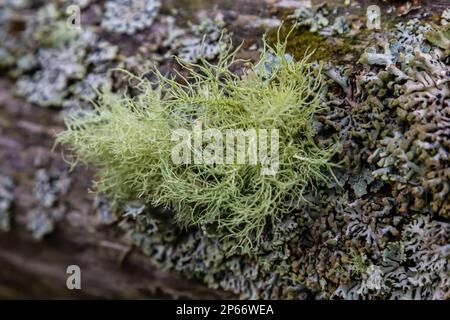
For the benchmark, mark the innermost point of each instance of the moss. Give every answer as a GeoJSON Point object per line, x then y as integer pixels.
{"type": "Point", "coordinates": [55, 34]}
{"type": "Point", "coordinates": [301, 41]}
{"type": "Point", "coordinates": [440, 37]}
{"type": "Point", "coordinates": [129, 140]}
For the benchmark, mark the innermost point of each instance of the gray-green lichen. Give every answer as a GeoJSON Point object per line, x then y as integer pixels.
{"type": "Point", "coordinates": [104, 212]}
{"type": "Point", "coordinates": [129, 16]}
{"type": "Point", "coordinates": [204, 41]}
{"type": "Point", "coordinates": [313, 17]}
{"type": "Point", "coordinates": [318, 18]}
{"type": "Point", "coordinates": [341, 25]}
{"type": "Point", "coordinates": [445, 17]}
{"type": "Point", "coordinates": [49, 187]}
{"type": "Point", "coordinates": [52, 62]}
{"type": "Point", "coordinates": [40, 223]}
{"type": "Point", "coordinates": [413, 152]}
{"type": "Point", "coordinates": [414, 268]}
{"type": "Point", "coordinates": [49, 86]}
{"type": "Point", "coordinates": [6, 202]}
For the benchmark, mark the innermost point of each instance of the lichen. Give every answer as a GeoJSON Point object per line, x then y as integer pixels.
{"type": "Point", "coordinates": [105, 214]}
{"type": "Point", "coordinates": [445, 17]}
{"type": "Point", "coordinates": [49, 186]}
{"type": "Point", "coordinates": [224, 196]}
{"type": "Point", "coordinates": [54, 64]}
{"type": "Point", "coordinates": [49, 86]}
{"type": "Point", "coordinates": [340, 25]}
{"type": "Point", "coordinates": [39, 223]}
{"type": "Point", "coordinates": [414, 268]}
{"type": "Point", "coordinates": [313, 17]}
{"type": "Point", "coordinates": [350, 237]}
{"type": "Point", "coordinates": [6, 202]}
{"type": "Point", "coordinates": [440, 37]}
{"type": "Point", "coordinates": [415, 159]}
{"type": "Point", "coordinates": [206, 40]}
{"type": "Point", "coordinates": [129, 16]}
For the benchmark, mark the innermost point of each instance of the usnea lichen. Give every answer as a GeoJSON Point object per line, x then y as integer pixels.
{"type": "Point", "coordinates": [129, 141]}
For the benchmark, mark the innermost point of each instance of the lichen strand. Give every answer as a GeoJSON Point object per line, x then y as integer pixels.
{"type": "Point", "coordinates": [128, 139]}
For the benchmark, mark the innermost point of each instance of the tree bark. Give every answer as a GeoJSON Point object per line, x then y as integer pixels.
{"type": "Point", "coordinates": [109, 267]}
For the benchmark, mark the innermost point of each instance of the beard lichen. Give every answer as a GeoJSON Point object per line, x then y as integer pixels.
{"type": "Point", "coordinates": [129, 141]}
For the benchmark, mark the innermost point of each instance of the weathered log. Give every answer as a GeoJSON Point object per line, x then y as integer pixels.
{"type": "Point", "coordinates": [110, 268]}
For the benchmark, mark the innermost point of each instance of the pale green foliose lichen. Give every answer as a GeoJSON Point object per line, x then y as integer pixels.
{"type": "Point", "coordinates": [6, 202]}
{"type": "Point", "coordinates": [129, 16]}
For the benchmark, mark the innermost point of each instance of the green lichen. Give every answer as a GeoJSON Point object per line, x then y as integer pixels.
{"type": "Point", "coordinates": [129, 141]}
